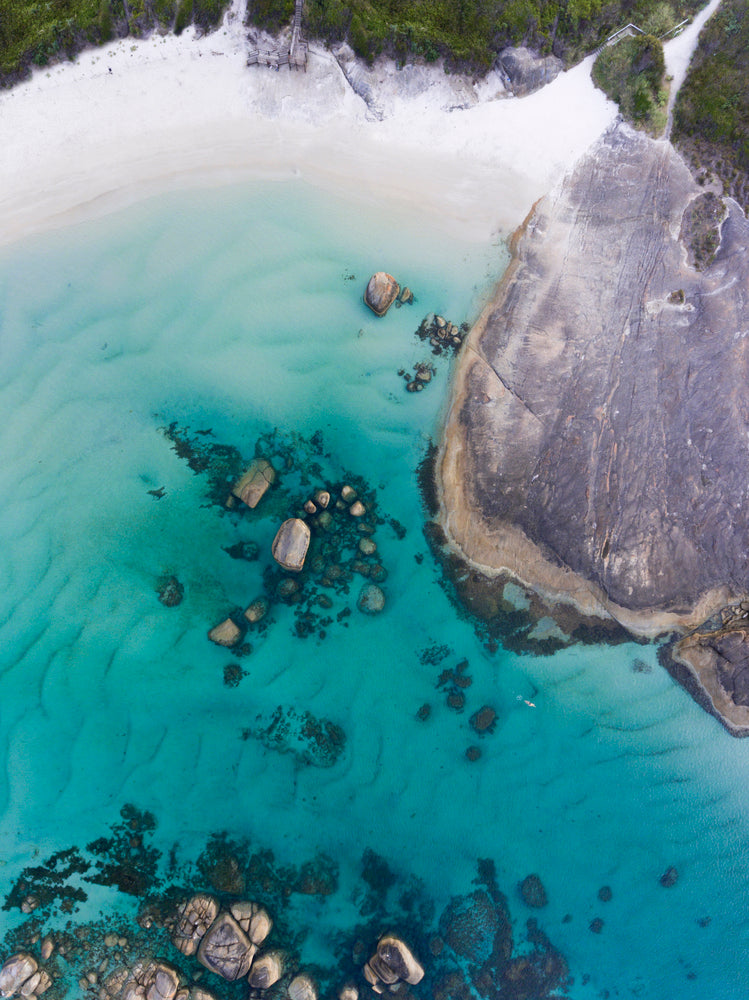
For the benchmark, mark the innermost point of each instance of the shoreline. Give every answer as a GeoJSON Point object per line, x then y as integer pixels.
{"type": "Point", "coordinates": [136, 117]}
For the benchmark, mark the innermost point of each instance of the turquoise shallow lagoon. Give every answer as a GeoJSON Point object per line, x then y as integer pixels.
{"type": "Point", "coordinates": [239, 311]}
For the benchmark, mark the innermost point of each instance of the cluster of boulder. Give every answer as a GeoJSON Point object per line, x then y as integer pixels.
{"type": "Point", "coordinates": [21, 976]}
{"type": "Point", "coordinates": [226, 941]}
{"type": "Point", "coordinates": [392, 964]}
{"type": "Point", "coordinates": [383, 290]}
{"type": "Point", "coordinates": [443, 336]}
{"type": "Point", "coordinates": [291, 544]}
{"type": "Point", "coordinates": [148, 980]}
{"type": "Point", "coordinates": [423, 374]}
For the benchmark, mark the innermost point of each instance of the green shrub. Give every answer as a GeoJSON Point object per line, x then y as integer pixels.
{"type": "Point", "coordinates": [184, 16]}
{"type": "Point", "coordinates": [105, 21]}
{"type": "Point", "coordinates": [711, 116]}
{"type": "Point", "coordinates": [631, 73]}
{"type": "Point", "coordinates": [164, 12]}
{"type": "Point", "coordinates": [208, 14]}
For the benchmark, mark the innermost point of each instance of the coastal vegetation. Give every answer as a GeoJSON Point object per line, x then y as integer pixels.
{"type": "Point", "coordinates": [711, 117]}
{"type": "Point", "coordinates": [468, 34]}
{"type": "Point", "coordinates": [632, 73]}
{"type": "Point", "coordinates": [36, 32]}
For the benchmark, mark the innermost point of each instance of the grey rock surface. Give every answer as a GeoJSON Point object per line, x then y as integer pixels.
{"type": "Point", "coordinates": [598, 441]}
{"type": "Point", "coordinates": [225, 948]}
{"type": "Point", "coordinates": [382, 290]}
{"type": "Point", "coordinates": [291, 543]}
{"type": "Point", "coordinates": [526, 71]}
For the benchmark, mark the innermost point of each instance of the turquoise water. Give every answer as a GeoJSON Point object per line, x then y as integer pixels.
{"type": "Point", "coordinates": [239, 310]}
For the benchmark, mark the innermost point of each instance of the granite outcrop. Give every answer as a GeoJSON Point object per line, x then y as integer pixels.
{"type": "Point", "coordinates": [598, 439]}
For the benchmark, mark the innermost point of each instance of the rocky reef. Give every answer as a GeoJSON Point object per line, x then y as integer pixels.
{"type": "Point", "coordinates": [225, 927]}
{"type": "Point", "coordinates": [596, 447]}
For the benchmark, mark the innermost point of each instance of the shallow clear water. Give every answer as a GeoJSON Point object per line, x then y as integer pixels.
{"type": "Point", "coordinates": [239, 310]}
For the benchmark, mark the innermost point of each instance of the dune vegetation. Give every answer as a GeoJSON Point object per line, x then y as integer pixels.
{"type": "Point", "coordinates": [711, 117]}
{"type": "Point", "coordinates": [37, 32]}
{"type": "Point", "coordinates": [468, 34]}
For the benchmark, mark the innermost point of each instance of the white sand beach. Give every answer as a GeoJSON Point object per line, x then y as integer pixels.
{"type": "Point", "coordinates": [137, 117]}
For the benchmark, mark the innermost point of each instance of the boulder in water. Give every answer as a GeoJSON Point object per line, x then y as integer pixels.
{"type": "Point", "coordinates": [371, 599]}
{"type": "Point", "coordinates": [266, 970]}
{"type": "Point", "coordinates": [291, 543]}
{"type": "Point", "coordinates": [225, 948]}
{"type": "Point", "coordinates": [302, 988]}
{"type": "Point", "coordinates": [533, 892]}
{"type": "Point", "coordinates": [254, 484]}
{"type": "Point", "coordinates": [227, 633]}
{"type": "Point", "coordinates": [382, 291]}
{"type": "Point", "coordinates": [194, 917]}
{"type": "Point", "coordinates": [16, 972]}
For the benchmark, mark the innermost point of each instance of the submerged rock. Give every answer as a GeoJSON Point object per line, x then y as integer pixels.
{"type": "Point", "coordinates": [476, 928]}
{"type": "Point", "coordinates": [371, 600]}
{"type": "Point", "coordinates": [533, 892]}
{"type": "Point", "coordinates": [171, 592]}
{"type": "Point", "coordinates": [311, 740]}
{"type": "Point", "coordinates": [291, 543]}
{"type": "Point", "coordinates": [669, 878]}
{"type": "Point", "coordinates": [381, 292]}
{"type": "Point", "coordinates": [484, 720]}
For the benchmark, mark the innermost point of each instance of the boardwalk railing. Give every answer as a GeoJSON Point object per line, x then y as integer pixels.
{"type": "Point", "coordinates": [630, 30]}
{"type": "Point", "coordinates": [295, 57]}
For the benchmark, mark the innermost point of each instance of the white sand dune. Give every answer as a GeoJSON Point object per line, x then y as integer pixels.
{"type": "Point", "coordinates": [139, 116]}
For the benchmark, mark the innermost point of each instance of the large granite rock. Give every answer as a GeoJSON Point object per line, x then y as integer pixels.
{"type": "Point", "coordinates": [598, 441]}
{"type": "Point", "coordinates": [225, 948]}
{"type": "Point", "coordinates": [20, 975]}
{"type": "Point", "coordinates": [145, 980]}
{"type": "Point", "coordinates": [382, 291]}
{"type": "Point", "coordinates": [266, 970]}
{"type": "Point", "coordinates": [716, 657]}
{"type": "Point", "coordinates": [291, 543]}
{"type": "Point", "coordinates": [255, 482]}
{"type": "Point", "coordinates": [194, 917]}
{"type": "Point", "coordinates": [392, 962]}
{"type": "Point", "coordinates": [526, 71]}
